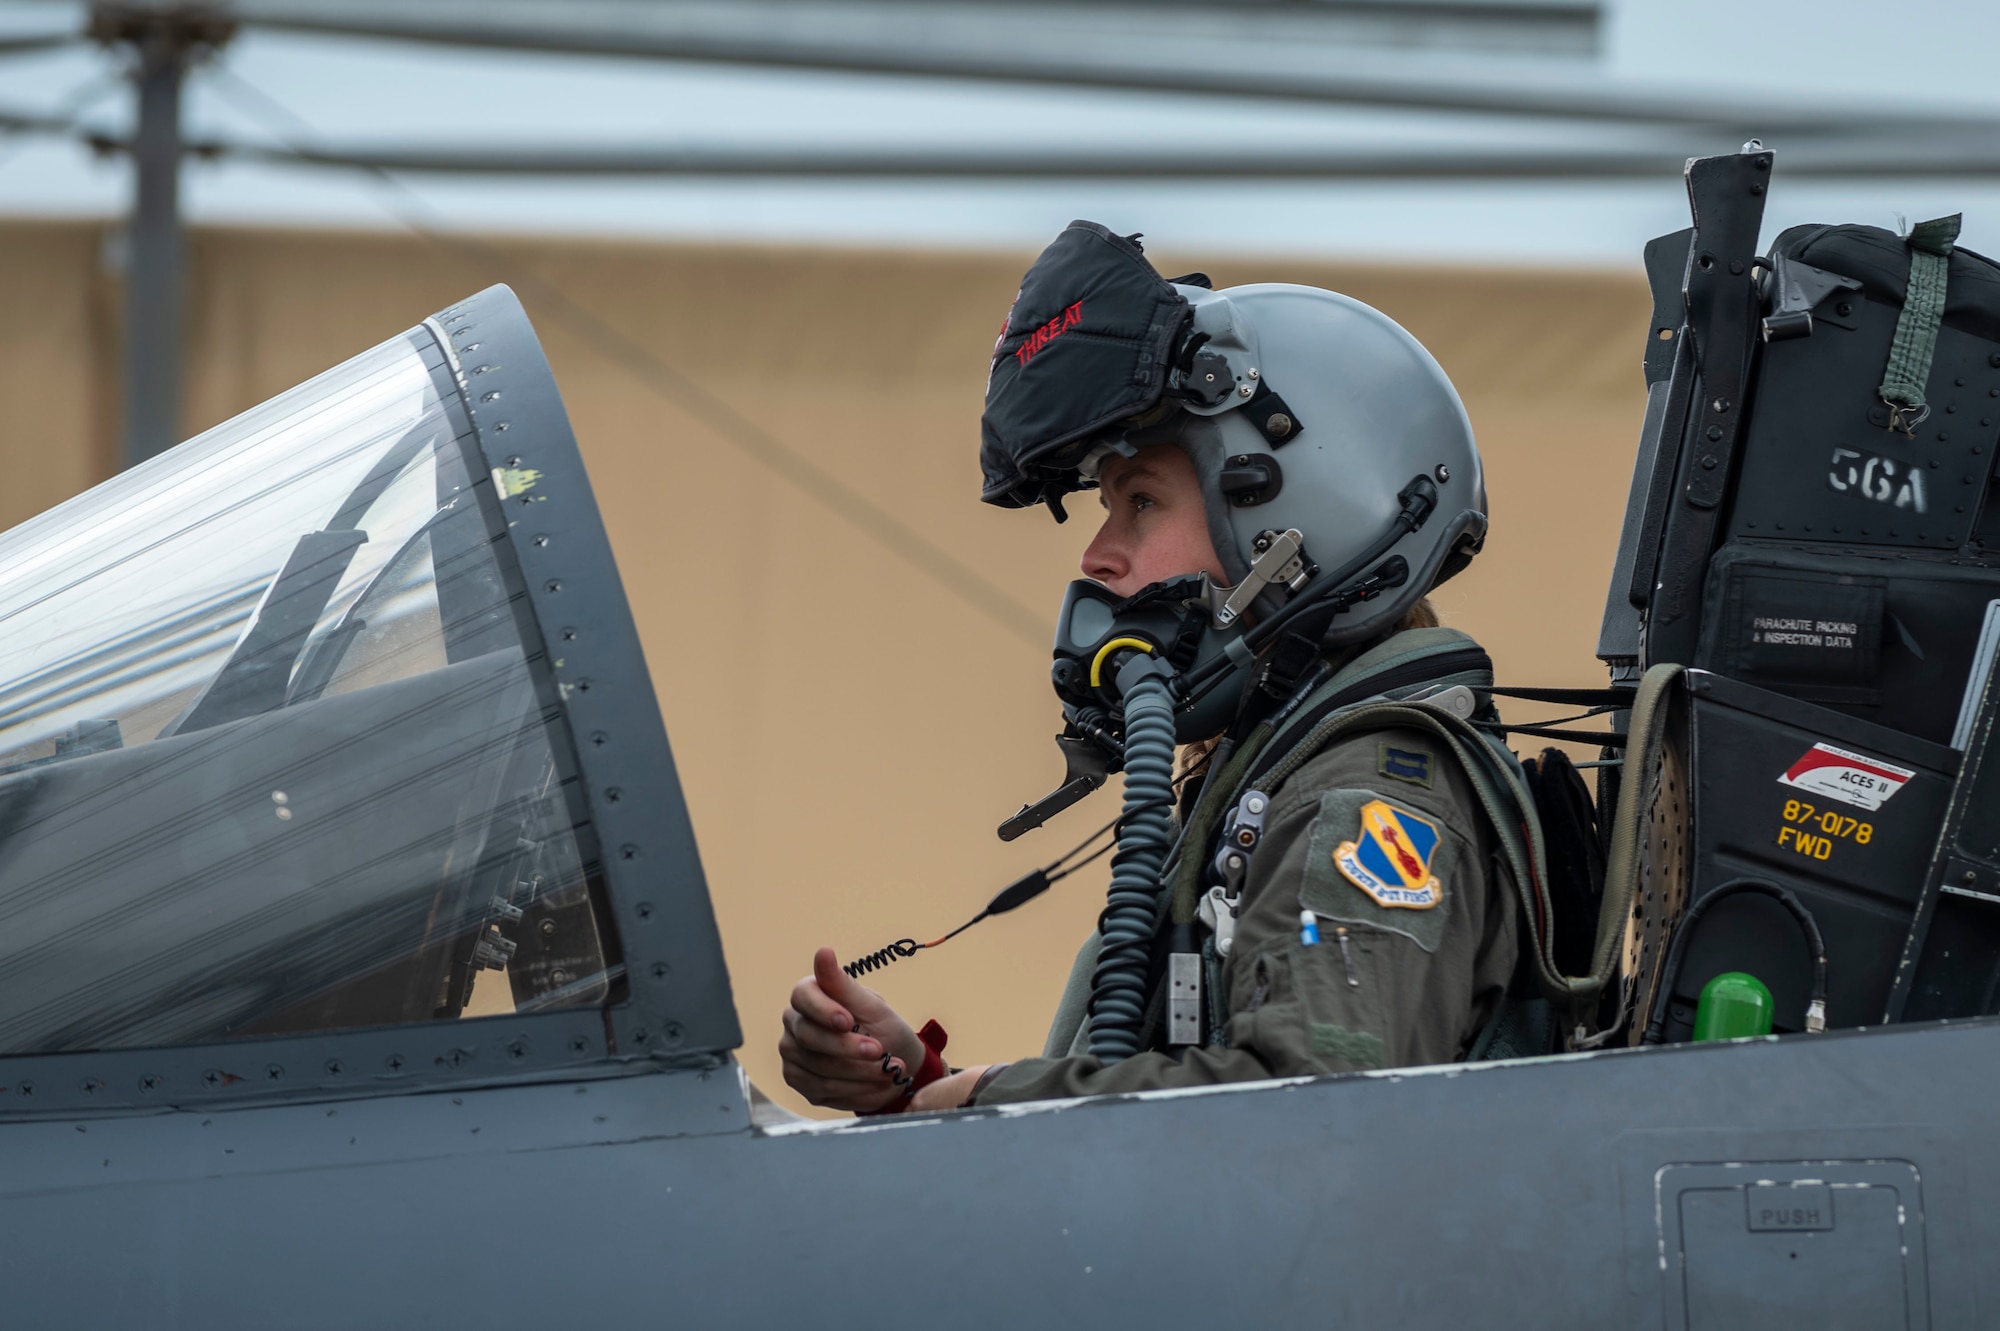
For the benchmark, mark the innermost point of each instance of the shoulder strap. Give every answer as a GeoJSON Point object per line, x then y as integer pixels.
{"type": "Point", "coordinates": [1503, 795]}
{"type": "Point", "coordinates": [1267, 744]}
{"type": "Point", "coordinates": [1509, 806]}
{"type": "Point", "coordinates": [1626, 849]}
{"type": "Point", "coordinates": [1423, 670]}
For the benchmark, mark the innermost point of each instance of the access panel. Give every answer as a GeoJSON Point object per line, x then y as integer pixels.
{"type": "Point", "coordinates": [1793, 1246]}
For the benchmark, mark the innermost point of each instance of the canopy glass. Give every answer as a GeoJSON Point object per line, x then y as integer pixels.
{"type": "Point", "coordinates": [271, 755]}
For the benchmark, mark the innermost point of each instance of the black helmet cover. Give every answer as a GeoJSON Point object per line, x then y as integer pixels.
{"type": "Point", "coordinates": [1087, 344]}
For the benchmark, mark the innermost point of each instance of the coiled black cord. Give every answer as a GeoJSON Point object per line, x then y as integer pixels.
{"type": "Point", "coordinates": [902, 947]}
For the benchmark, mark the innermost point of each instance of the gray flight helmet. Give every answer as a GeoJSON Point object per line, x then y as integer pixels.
{"type": "Point", "coordinates": [1366, 409]}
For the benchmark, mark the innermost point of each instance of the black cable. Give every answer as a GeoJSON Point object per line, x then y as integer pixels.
{"type": "Point", "coordinates": [1556, 727]}
{"type": "Point", "coordinates": [1061, 869]}
{"type": "Point", "coordinates": [1604, 739]}
{"type": "Point", "coordinates": [62, 120]}
{"type": "Point", "coordinates": [1656, 1026]}
{"type": "Point", "coordinates": [1576, 716]}
{"type": "Point", "coordinates": [1415, 512]}
{"type": "Point", "coordinates": [39, 43]}
{"type": "Point", "coordinates": [1017, 893]}
{"type": "Point", "coordinates": [902, 947]}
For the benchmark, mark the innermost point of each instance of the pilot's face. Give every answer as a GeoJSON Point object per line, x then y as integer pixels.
{"type": "Point", "coordinates": [1155, 527]}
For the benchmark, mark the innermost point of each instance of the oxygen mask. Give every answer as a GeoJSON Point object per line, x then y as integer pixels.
{"type": "Point", "coordinates": [1174, 621]}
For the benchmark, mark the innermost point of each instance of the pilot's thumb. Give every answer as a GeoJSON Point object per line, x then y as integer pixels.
{"type": "Point", "coordinates": [864, 1003]}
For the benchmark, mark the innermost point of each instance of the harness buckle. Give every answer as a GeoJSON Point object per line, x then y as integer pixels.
{"type": "Point", "coordinates": [1457, 700]}
{"type": "Point", "coordinates": [1218, 912]}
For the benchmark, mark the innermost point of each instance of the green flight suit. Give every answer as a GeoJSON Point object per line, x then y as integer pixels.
{"type": "Point", "coordinates": [1386, 985]}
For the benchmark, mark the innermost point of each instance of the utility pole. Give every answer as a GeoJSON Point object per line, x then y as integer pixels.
{"type": "Point", "coordinates": [165, 40]}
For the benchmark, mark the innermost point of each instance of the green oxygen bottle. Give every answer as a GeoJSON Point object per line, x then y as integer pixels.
{"type": "Point", "coordinates": [1734, 1004]}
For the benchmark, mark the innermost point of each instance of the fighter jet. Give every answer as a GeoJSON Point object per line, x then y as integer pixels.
{"type": "Point", "coordinates": [358, 967]}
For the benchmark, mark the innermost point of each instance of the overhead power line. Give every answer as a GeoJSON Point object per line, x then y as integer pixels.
{"type": "Point", "coordinates": [1171, 51]}
{"type": "Point", "coordinates": [1812, 159]}
{"type": "Point", "coordinates": [61, 121]}
{"type": "Point", "coordinates": [33, 45]}
{"type": "Point", "coordinates": [1564, 29]}
{"type": "Point", "coordinates": [30, 122]}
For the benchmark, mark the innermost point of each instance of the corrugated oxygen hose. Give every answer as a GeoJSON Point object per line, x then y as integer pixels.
{"type": "Point", "coordinates": [1118, 985]}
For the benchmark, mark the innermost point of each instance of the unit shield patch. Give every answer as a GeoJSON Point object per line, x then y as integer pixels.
{"type": "Point", "coordinates": [1390, 859]}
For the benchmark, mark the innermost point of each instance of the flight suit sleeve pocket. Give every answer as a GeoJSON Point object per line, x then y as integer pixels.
{"type": "Point", "coordinates": [1378, 863]}
{"type": "Point", "coordinates": [1304, 1015]}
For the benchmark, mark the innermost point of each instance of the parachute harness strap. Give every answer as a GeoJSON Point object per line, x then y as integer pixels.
{"type": "Point", "coordinates": [1118, 984]}
{"type": "Point", "coordinates": [1909, 369]}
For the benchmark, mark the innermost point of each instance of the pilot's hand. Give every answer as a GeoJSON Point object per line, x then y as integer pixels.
{"type": "Point", "coordinates": [843, 1046]}
{"type": "Point", "coordinates": [948, 1092]}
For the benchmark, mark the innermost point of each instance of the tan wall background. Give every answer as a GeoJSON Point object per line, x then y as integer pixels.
{"type": "Point", "coordinates": [848, 733]}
